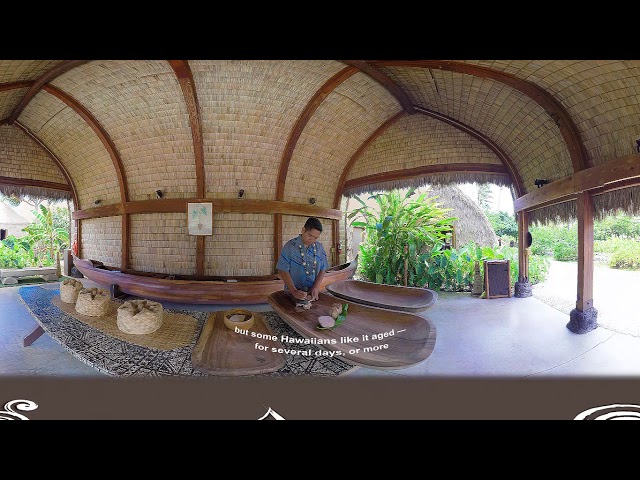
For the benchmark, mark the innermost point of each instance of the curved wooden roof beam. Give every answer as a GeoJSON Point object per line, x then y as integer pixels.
{"type": "Point", "coordinates": [100, 132]}
{"type": "Point", "coordinates": [12, 85]}
{"type": "Point", "coordinates": [56, 160]}
{"type": "Point", "coordinates": [313, 104]}
{"type": "Point", "coordinates": [185, 79]}
{"type": "Point", "coordinates": [48, 76]}
{"type": "Point", "coordinates": [504, 158]}
{"type": "Point", "coordinates": [384, 80]}
{"type": "Point", "coordinates": [356, 155]}
{"type": "Point", "coordinates": [556, 111]}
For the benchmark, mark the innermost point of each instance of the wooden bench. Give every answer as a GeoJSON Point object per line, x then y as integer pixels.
{"type": "Point", "coordinates": [9, 276]}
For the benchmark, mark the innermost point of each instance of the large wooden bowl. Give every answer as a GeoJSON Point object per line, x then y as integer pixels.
{"type": "Point", "coordinates": [391, 297]}
{"type": "Point", "coordinates": [231, 316]}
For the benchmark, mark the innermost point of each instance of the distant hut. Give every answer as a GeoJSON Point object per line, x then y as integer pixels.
{"type": "Point", "coordinates": [11, 221]}
{"type": "Point", "coordinates": [472, 224]}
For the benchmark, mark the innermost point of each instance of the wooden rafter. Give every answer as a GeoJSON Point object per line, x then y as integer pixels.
{"type": "Point", "coordinates": [618, 173]}
{"type": "Point", "coordinates": [47, 77]}
{"type": "Point", "coordinates": [553, 107]}
{"type": "Point", "coordinates": [384, 80]}
{"type": "Point", "coordinates": [345, 171]}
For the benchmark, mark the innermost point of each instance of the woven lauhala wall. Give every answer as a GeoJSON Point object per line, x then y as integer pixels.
{"type": "Point", "coordinates": [160, 243]}
{"type": "Point", "coordinates": [246, 120]}
{"type": "Point", "coordinates": [21, 70]}
{"type": "Point", "coordinates": [518, 125]}
{"type": "Point", "coordinates": [21, 157]}
{"type": "Point", "coordinates": [337, 129]}
{"type": "Point", "coordinates": [9, 99]}
{"type": "Point", "coordinates": [241, 244]}
{"type": "Point", "coordinates": [77, 146]}
{"type": "Point", "coordinates": [418, 141]}
{"type": "Point", "coordinates": [102, 240]}
{"type": "Point", "coordinates": [141, 105]}
{"type": "Point", "coordinates": [602, 96]}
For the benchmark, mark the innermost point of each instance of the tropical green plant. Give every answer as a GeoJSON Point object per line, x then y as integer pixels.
{"type": "Point", "coordinates": [626, 256]}
{"type": "Point", "coordinates": [503, 223]}
{"type": "Point", "coordinates": [13, 257]}
{"type": "Point", "coordinates": [452, 270]}
{"type": "Point", "coordinates": [394, 222]}
{"type": "Point", "coordinates": [45, 237]}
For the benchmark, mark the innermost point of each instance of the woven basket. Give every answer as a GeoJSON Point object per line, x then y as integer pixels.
{"type": "Point", "coordinates": [139, 317]}
{"type": "Point", "coordinates": [93, 302]}
{"type": "Point", "coordinates": [69, 290]}
{"type": "Point", "coordinates": [233, 319]}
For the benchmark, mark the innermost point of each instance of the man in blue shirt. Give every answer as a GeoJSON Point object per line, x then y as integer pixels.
{"type": "Point", "coordinates": [303, 262]}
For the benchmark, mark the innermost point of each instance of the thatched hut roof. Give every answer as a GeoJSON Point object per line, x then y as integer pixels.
{"type": "Point", "coordinates": [472, 224]}
{"type": "Point", "coordinates": [11, 220]}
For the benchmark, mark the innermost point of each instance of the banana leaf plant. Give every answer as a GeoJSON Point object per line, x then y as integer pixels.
{"type": "Point", "coordinates": [394, 221]}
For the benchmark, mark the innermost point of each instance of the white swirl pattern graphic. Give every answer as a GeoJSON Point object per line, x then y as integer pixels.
{"type": "Point", "coordinates": [9, 412]}
{"type": "Point", "coordinates": [616, 411]}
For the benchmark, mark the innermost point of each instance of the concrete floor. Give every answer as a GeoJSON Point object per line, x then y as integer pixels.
{"type": "Point", "coordinates": [504, 337]}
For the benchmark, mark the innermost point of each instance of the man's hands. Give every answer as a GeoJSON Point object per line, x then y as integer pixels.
{"type": "Point", "coordinates": [300, 295]}
{"type": "Point", "coordinates": [313, 293]}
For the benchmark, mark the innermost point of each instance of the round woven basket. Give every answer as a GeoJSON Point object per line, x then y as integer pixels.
{"type": "Point", "coordinates": [240, 318]}
{"type": "Point", "coordinates": [93, 302]}
{"type": "Point", "coordinates": [139, 317]}
{"type": "Point", "coordinates": [69, 290]}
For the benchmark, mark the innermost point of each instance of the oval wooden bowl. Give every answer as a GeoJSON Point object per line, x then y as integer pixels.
{"type": "Point", "coordinates": [245, 325]}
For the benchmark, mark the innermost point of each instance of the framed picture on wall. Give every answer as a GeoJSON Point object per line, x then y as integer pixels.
{"type": "Point", "coordinates": [200, 218]}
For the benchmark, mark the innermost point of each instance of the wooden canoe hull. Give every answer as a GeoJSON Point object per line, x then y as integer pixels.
{"type": "Point", "coordinates": [215, 292]}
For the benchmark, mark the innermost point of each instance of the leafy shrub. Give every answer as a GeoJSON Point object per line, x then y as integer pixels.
{"type": "Point", "coordinates": [565, 252]}
{"type": "Point", "coordinates": [398, 220]}
{"type": "Point", "coordinates": [13, 258]}
{"type": "Point", "coordinates": [626, 256]}
{"type": "Point", "coordinates": [503, 223]}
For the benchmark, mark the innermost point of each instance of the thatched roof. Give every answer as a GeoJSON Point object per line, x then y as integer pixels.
{"type": "Point", "coordinates": [9, 217]}
{"type": "Point", "coordinates": [472, 224]}
{"type": "Point", "coordinates": [113, 132]}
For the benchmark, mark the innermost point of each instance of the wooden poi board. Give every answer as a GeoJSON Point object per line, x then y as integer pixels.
{"type": "Point", "coordinates": [221, 351]}
{"type": "Point", "coordinates": [409, 339]}
{"type": "Point", "coordinates": [393, 297]}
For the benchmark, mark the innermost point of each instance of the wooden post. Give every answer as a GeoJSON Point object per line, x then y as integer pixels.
{"type": "Point", "coordinates": [277, 239]}
{"type": "Point", "coordinates": [406, 251]}
{"type": "Point", "coordinates": [523, 228]}
{"type": "Point", "coordinates": [126, 244]}
{"type": "Point", "coordinates": [585, 251]}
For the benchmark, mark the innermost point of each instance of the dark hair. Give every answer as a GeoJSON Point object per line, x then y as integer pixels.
{"type": "Point", "coordinates": [311, 223]}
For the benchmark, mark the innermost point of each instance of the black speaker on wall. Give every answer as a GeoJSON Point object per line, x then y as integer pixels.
{"type": "Point", "coordinates": [3, 233]}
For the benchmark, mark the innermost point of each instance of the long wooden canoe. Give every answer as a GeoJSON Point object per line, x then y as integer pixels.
{"type": "Point", "coordinates": [232, 290]}
{"type": "Point", "coordinates": [391, 297]}
{"type": "Point", "coordinates": [369, 337]}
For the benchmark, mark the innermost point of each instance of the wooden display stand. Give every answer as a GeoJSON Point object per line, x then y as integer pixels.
{"type": "Point", "coordinates": [497, 278]}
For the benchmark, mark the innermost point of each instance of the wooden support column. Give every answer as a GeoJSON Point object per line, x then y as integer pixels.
{"type": "Point", "coordinates": [585, 251]}
{"type": "Point", "coordinates": [200, 255]}
{"type": "Point", "coordinates": [583, 318]}
{"type": "Point", "coordinates": [523, 228]}
{"type": "Point", "coordinates": [126, 248]}
{"type": "Point", "coordinates": [523, 287]}
{"type": "Point", "coordinates": [277, 238]}
{"type": "Point", "coordinates": [335, 233]}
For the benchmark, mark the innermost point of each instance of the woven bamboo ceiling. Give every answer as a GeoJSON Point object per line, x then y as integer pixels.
{"type": "Point", "coordinates": [118, 130]}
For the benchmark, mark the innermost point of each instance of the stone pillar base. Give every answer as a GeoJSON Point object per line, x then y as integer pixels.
{"type": "Point", "coordinates": [583, 322]}
{"type": "Point", "coordinates": [523, 289]}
